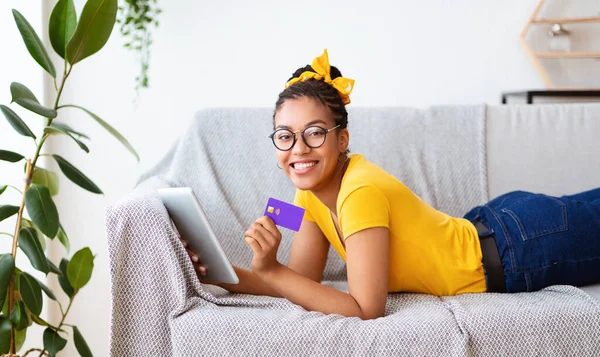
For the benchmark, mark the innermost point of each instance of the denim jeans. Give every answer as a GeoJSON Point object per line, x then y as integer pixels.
{"type": "Point", "coordinates": [544, 240]}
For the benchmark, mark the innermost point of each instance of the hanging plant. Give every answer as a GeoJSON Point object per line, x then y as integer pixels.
{"type": "Point", "coordinates": [137, 18]}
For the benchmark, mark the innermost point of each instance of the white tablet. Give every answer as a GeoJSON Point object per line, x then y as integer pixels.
{"type": "Point", "coordinates": [194, 228]}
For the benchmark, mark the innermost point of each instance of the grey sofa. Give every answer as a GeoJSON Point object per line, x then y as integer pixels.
{"type": "Point", "coordinates": [454, 157]}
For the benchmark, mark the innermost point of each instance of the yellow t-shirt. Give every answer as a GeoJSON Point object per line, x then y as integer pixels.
{"type": "Point", "coordinates": [430, 251]}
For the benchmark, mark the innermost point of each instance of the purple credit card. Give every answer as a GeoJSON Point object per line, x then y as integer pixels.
{"type": "Point", "coordinates": [284, 214]}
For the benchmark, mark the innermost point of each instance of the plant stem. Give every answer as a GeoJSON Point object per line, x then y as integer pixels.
{"type": "Point", "coordinates": [62, 86]}
{"type": "Point", "coordinates": [60, 307]}
{"type": "Point", "coordinates": [33, 350]}
{"type": "Point", "coordinates": [11, 186]}
{"type": "Point", "coordinates": [61, 321]}
{"type": "Point", "coordinates": [28, 174]}
{"type": "Point", "coordinates": [66, 312]}
{"type": "Point", "coordinates": [11, 288]}
{"type": "Point", "coordinates": [37, 152]}
{"type": "Point", "coordinates": [8, 234]}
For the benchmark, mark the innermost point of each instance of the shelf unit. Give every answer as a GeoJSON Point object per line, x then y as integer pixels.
{"type": "Point", "coordinates": [567, 54]}
{"type": "Point", "coordinates": [572, 20]}
{"type": "Point", "coordinates": [535, 56]}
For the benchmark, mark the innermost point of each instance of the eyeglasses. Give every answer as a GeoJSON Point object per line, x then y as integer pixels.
{"type": "Point", "coordinates": [313, 136]}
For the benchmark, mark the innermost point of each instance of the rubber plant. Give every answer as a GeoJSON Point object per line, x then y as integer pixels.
{"type": "Point", "coordinates": [37, 217]}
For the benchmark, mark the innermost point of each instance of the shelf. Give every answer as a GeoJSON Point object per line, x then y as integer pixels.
{"type": "Point", "coordinates": [568, 54]}
{"type": "Point", "coordinates": [572, 20]}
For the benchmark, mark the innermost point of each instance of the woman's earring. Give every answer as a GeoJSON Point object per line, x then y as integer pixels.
{"type": "Point", "coordinates": [280, 168]}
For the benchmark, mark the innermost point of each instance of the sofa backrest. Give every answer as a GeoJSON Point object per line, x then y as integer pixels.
{"type": "Point", "coordinates": [548, 148]}
{"type": "Point", "coordinates": [454, 157]}
{"type": "Point", "coordinates": [229, 161]}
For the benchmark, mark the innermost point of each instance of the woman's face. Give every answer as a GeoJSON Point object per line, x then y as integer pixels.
{"type": "Point", "coordinates": [310, 168]}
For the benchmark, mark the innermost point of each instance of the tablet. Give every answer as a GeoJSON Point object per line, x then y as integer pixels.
{"type": "Point", "coordinates": [193, 227]}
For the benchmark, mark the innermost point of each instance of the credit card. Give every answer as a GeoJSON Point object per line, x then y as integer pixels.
{"type": "Point", "coordinates": [285, 214]}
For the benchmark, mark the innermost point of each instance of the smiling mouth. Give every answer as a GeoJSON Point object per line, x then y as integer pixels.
{"type": "Point", "coordinates": [303, 165]}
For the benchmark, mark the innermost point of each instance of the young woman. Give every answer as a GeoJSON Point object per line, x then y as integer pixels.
{"type": "Point", "coordinates": [391, 240]}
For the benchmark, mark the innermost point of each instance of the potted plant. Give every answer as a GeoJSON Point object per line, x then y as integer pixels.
{"type": "Point", "coordinates": [37, 217]}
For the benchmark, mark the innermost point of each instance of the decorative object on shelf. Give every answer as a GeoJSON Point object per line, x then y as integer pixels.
{"type": "Point", "coordinates": [136, 17]}
{"type": "Point", "coordinates": [36, 215]}
{"type": "Point", "coordinates": [559, 41]}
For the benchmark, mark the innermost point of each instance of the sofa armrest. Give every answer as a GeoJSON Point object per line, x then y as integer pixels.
{"type": "Point", "coordinates": [151, 277]}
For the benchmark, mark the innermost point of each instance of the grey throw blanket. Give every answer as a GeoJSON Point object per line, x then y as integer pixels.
{"type": "Point", "coordinates": [160, 308]}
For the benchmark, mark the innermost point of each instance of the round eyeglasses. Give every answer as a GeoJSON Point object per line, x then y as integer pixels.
{"type": "Point", "coordinates": [313, 136]}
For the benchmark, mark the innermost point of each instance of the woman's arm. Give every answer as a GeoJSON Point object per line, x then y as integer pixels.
{"type": "Point", "coordinates": [308, 257]}
{"type": "Point", "coordinates": [249, 283]}
{"type": "Point", "coordinates": [367, 261]}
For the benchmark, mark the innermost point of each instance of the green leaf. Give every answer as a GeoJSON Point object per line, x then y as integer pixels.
{"type": "Point", "coordinates": [20, 339]}
{"type": "Point", "coordinates": [31, 293]}
{"type": "Point", "coordinates": [75, 175]}
{"type": "Point", "coordinates": [17, 278]}
{"type": "Point", "coordinates": [34, 44]}
{"type": "Point", "coordinates": [7, 211]}
{"type": "Point", "coordinates": [17, 123]}
{"type": "Point", "coordinates": [110, 129]}
{"type": "Point", "coordinates": [41, 209]}
{"type": "Point", "coordinates": [80, 344]}
{"type": "Point", "coordinates": [5, 336]}
{"type": "Point", "coordinates": [55, 130]}
{"type": "Point", "coordinates": [53, 342]}
{"type": "Point", "coordinates": [27, 223]}
{"type": "Point", "coordinates": [30, 244]}
{"type": "Point", "coordinates": [79, 270]}
{"type": "Point", "coordinates": [3, 188]}
{"type": "Point", "coordinates": [46, 178]}
{"type": "Point", "coordinates": [19, 316]}
{"type": "Point", "coordinates": [47, 290]}
{"type": "Point", "coordinates": [63, 22]}
{"type": "Point", "coordinates": [95, 26]}
{"type": "Point", "coordinates": [68, 129]}
{"type": "Point", "coordinates": [42, 239]}
{"type": "Point", "coordinates": [38, 320]}
{"type": "Point", "coordinates": [25, 98]}
{"type": "Point", "coordinates": [53, 268]}
{"type": "Point", "coordinates": [63, 280]}
{"type": "Point", "coordinates": [7, 267]}
{"type": "Point", "coordinates": [10, 156]}
{"type": "Point", "coordinates": [64, 239]}
{"type": "Point", "coordinates": [5, 328]}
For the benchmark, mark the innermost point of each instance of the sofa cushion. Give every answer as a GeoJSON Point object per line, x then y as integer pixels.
{"type": "Point", "coordinates": [556, 321]}
{"type": "Point", "coordinates": [418, 325]}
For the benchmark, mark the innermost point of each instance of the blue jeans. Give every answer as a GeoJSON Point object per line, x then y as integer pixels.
{"type": "Point", "coordinates": [544, 240]}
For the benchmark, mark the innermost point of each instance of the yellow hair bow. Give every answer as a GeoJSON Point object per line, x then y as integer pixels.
{"type": "Point", "coordinates": [322, 68]}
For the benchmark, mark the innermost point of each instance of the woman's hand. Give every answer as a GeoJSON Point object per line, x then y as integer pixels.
{"type": "Point", "coordinates": [263, 237]}
{"type": "Point", "coordinates": [198, 267]}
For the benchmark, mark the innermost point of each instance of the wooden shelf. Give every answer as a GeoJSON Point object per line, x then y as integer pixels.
{"type": "Point", "coordinates": [536, 57]}
{"type": "Point", "coordinates": [567, 54]}
{"type": "Point", "coordinates": [572, 20]}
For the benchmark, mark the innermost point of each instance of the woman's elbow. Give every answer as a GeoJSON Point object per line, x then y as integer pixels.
{"type": "Point", "coordinates": [372, 314]}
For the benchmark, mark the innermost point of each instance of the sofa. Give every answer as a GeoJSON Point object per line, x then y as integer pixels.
{"type": "Point", "coordinates": [454, 157]}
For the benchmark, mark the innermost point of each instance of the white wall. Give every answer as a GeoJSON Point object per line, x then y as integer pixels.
{"type": "Point", "coordinates": [240, 53]}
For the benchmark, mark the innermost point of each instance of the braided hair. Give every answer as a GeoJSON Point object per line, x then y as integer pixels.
{"type": "Point", "coordinates": [319, 90]}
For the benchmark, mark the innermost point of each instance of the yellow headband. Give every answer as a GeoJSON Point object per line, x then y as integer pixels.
{"type": "Point", "coordinates": [322, 68]}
